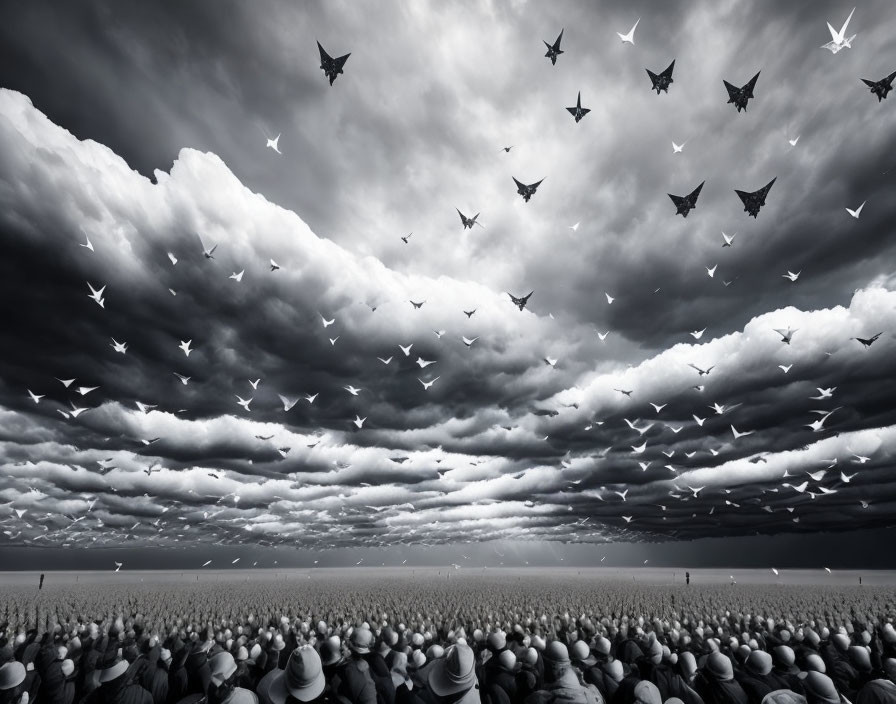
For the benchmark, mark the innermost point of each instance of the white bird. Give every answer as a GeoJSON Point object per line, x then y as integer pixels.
{"type": "Point", "coordinates": [628, 519]}
{"type": "Point", "coordinates": [818, 425]}
{"type": "Point", "coordinates": [254, 383]}
{"type": "Point", "coordinates": [244, 402]}
{"type": "Point", "coordinates": [729, 239]}
{"type": "Point", "coordinates": [711, 271]}
{"type": "Point", "coordinates": [385, 361]}
{"type": "Point", "coordinates": [275, 144]}
{"type": "Point", "coordinates": [468, 342]}
{"type": "Point", "coordinates": [785, 367]}
{"type": "Point", "coordinates": [790, 275]}
{"type": "Point", "coordinates": [720, 409]}
{"type": "Point", "coordinates": [327, 323]}
{"type": "Point", "coordinates": [88, 245]}
{"type": "Point", "coordinates": [696, 490]}
{"type": "Point", "coordinates": [172, 258]}
{"type": "Point", "coordinates": [794, 141]}
{"type": "Point", "coordinates": [860, 459]}
{"type": "Point", "coordinates": [658, 406]}
{"type": "Point", "coordinates": [858, 211]}
{"type": "Point", "coordinates": [75, 412]}
{"type": "Point", "coordinates": [739, 434]}
{"type": "Point", "coordinates": [121, 347]}
{"type": "Point", "coordinates": [310, 397]}
{"type": "Point", "coordinates": [603, 335]}
{"type": "Point", "coordinates": [775, 571]}
{"type": "Point", "coordinates": [287, 403]}
{"type": "Point", "coordinates": [274, 265]}
{"type": "Point", "coordinates": [145, 407]}
{"type": "Point", "coordinates": [209, 252]}
{"type": "Point", "coordinates": [697, 334]}
{"type": "Point", "coordinates": [84, 390]}
{"type": "Point", "coordinates": [621, 494]}
{"type": "Point", "coordinates": [97, 295]}
{"type": "Point", "coordinates": [676, 148]}
{"type": "Point", "coordinates": [359, 421]}
{"type": "Point", "coordinates": [639, 449]}
{"type": "Point", "coordinates": [575, 227]}
{"type": "Point", "coordinates": [846, 478]}
{"type": "Point", "coordinates": [406, 350]}
{"type": "Point", "coordinates": [839, 39]}
{"type": "Point", "coordinates": [550, 361]}
{"type": "Point", "coordinates": [185, 346]}
{"type": "Point", "coordinates": [65, 382]}
{"type": "Point", "coordinates": [427, 384]}
{"type": "Point", "coordinates": [786, 335]}
{"type": "Point", "coordinates": [352, 390]}
{"type": "Point", "coordinates": [699, 420]}
{"type": "Point", "coordinates": [118, 566]}
{"type": "Point", "coordinates": [333, 340]}
{"type": "Point", "coordinates": [610, 299]}
{"type": "Point", "coordinates": [630, 37]}
{"type": "Point", "coordinates": [825, 393]}
{"type": "Point", "coordinates": [438, 333]}
{"type": "Point", "coordinates": [237, 277]}
{"type": "Point", "coordinates": [423, 363]}
{"type": "Point", "coordinates": [35, 397]}
{"type": "Point", "coordinates": [183, 379]}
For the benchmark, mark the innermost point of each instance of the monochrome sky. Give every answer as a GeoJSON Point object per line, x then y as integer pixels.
{"type": "Point", "coordinates": [142, 126]}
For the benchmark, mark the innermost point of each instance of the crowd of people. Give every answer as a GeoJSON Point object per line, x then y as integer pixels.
{"type": "Point", "coordinates": [153, 647]}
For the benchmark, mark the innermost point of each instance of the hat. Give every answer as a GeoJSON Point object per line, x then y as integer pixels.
{"type": "Point", "coordinates": [434, 651]}
{"type": "Point", "coordinates": [860, 657]}
{"type": "Point", "coordinates": [455, 672]}
{"type": "Point", "coordinates": [118, 667]}
{"type": "Point", "coordinates": [399, 670]}
{"type": "Point", "coordinates": [507, 660]}
{"type": "Point", "coordinates": [719, 666]}
{"type": "Point", "coordinates": [255, 651]}
{"type": "Point", "coordinates": [418, 659]}
{"type": "Point", "coordinates": [688, 664]}
{"type": "Point", "coordinates": [655, 652]}
{"type": "Point", "coordinates": [840, 641]}
{"type": "Point", "coordinates": [68, 667]}
{"type": "Point", "coordinates": [783, 696]}
{"type": "Point", "coordinates": [222, 667]}
{"type": "Point", "coordinates": [278, 644]}
{"type": "Point", "coordinates": [602, 646]}
{"type": "Point", "coordinates": [331, 651]}
{"type": "Point", "coordinates": [242, 654]}
{"type": "Point", "coordinates": [814, 663]}
{"type": "Point", "coordinates": [614, 670]}
{"type": "Point", "coordinates": [556, 652]}
{"type": "Point", "coordinates": [820, 689]}
{"type": "Point", "coordinates": [360, 641]}
{"type": "Point", "coordinates": [581, 654]}
{"type": "Point", "coordinates": [784, 656]}
{"type": "Point", "coordinates": [530, 656]}
{"type": "Point", "coordinates": [303, 677]}
{"type": "Point", "coordinates": [497, 640]}
{"type": "Point", "coordinates": [12, 674]}
{"type": "Point", "coordinates": [647, 692]}
{"type": "Point", "coordinates": [759, 662]}
{"type": "Point", "coordinates": [538, 642]}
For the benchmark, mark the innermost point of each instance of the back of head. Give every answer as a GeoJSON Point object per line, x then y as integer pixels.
{"type": "Point", "coordinates": [877, 692]}
{"type": "Point", "coordinates": [647, 692]}
{"type": "Point", "coordinates": [820, 689]}
{"type": "Point", "coordinates": [784, 656]}
{"type": "Point", "coordinates": [814, 663]}
{"type": "Point", "coordinates": [507, 659]}
{"type": "Point", "coordinates": [783, 696]}
{"type": "Point", "coordinates": [719, 666]}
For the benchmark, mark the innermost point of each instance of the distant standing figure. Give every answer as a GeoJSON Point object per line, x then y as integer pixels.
{"type": "Point", "coordinates": [687, 577]}
{"type": "Point", "coordinates": [41, 585]}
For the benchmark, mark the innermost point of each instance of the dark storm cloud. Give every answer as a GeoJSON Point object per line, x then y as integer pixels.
{"type": "Point", "coordinates": [503, 445]}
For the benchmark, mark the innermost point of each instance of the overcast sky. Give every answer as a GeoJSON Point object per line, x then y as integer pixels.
{"type": "Point", "coordinates": [142, 128]}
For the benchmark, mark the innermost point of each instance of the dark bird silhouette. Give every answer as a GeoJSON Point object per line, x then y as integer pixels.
{"type": "Point", "coordinates": [868, 341]}
{"type": "Point", "coordinates": [526, 191]}
{"type": "Point", "coordinates": [554, 49]}
{"type": "Point", "coordinates": [740, 96]}
{"type": "Point", "coordinates": [684, 204]}
{"type": "Point", "coordinates": [469, 222]}
{"type": "Point", "coordinates": [662, 80]}
{"type": "Point", "coordinates": [469, 313]}
{"type": "Point", "coordinates": [520, 302]}
{"type": "Point", "coordinates": [755, 200]}
{"type": "Point", "coordinates": [578, 111]}
{"type": "Point", "coordinates": [330, 66]}
{"type": "Point", "coordinates": [882, 87]}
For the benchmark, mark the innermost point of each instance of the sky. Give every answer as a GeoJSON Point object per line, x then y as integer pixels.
{"type": "Point", "coordinates": [141, 129]}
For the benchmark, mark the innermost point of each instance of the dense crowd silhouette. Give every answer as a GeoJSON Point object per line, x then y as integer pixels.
{"type": "Point", "coordinates": [403, 642]}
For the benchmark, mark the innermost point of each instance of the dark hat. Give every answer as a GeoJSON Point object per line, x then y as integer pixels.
{"type": "Point", "coordinates": [719, 666]}
{"type": "Point", "coordinates": [360, 641]}
{"type": "Point", "coordinates": [759, 662]}
{"type": "Point", "coordinates": [820, 689]}
{"type": "Point", "coordinates": [556, 652]}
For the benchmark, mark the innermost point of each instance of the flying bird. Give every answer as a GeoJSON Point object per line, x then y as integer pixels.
{"type": "Point", "coordinates": [208, 253]}
{"type": "Point", "coordinates": [786, 335]}
{"type": "Point", "coordinates": [697, 334]}
{"type": "Point", "coordinates": [34, 397]}
{"type": "Point", "coordinates": [755, 200]}
{"type": "Point", "coordinates": [661, 81]}
{"type": "Point", "coordinates": [520, 302]}
{"type": "Point", "coordinates": [427, 384]}
{"type": "Point", "coordinates": [97, 295]}
{"type": "Point", "coordinates": [88, 244]}
{"type": "Point", "coordinates": [237, 276]}
{"type": "Point", "coordinates": [553, 52]}
{"type": "Point", "coordinates": [407, 237]}
{"type": "Point", "coordinates": [630, 37]}
{"type": "Point", "coordinates": [793, 141]}
{"type": "Point", "coordinates": [172, 258]}
{"type": "Point", "coordinates": [287, 403]}
{"type": "Point", "coordinates": [868, 341]}
{"type": "Point", "coordinates": [274, 144]}
{"type": "Point", "coordinates": [406, 350]}
{"type": "Point", "coordinates": [839, 40]}
{"type": "Point", "coordinates": [359, 421]}
{"type": "Point", "coordinates": [738, 434]}
{"type": "Point", "coordinates": [526, 191]}
{"type": "Point", "coordinates": [790, 275]}
{"type": "Point", "coordinates": [417, 305]}
{"type": "Point", "coordinates": [701, 372]}
{"type": "Point", "coordinates": [785, 367]}
{"type": "Point", "coordinates": [274, 265]}
{"type": "Point", "coordinates": [385, 361]}
{"type": "Point", "coordinates": [330, 66]}
{"type": "Point", "coordinates": [469, 342]}
{"type": "Point", "coordinates": [423, 363]}
{"type": "Point", "coordinates": [352, 390]}
{"type": "Point", "coordinates": [327, 323]}
{"type": "Point", "coordinates": [244, 402]}
{"type": "Point", "coordinates": [469, 222]}
{"type": "Point", "coordinates": [469, 313]}
{"type": "Point", "coordinates": [121, 347]}
{"type": "Point", "coordinates": [684, 204]}
{"type": "Point", "coordinates": [858, 211]}
{"type": "Point", "coordinates": [185, 346]}
{"type": "Point", "coordinates": [741, 96]}
{"type": "Point", "coordinates": [711, 271]}
{"type": "Point", "coordinates": [818, 425]}
{"type": "Point", "coordinates": [578, 112]}
{"type": "Point", "coordinates": [882, 87]}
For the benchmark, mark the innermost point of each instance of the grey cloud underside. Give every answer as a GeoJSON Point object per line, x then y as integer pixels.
{"type": "Point", "coordinates": [502, 445]}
